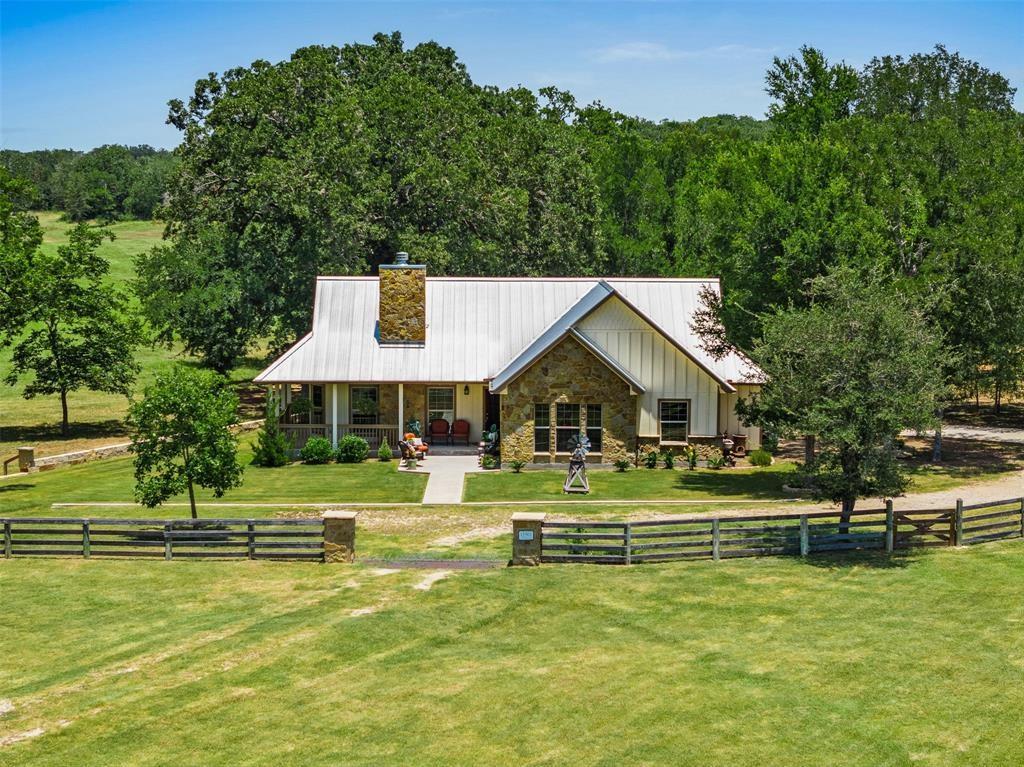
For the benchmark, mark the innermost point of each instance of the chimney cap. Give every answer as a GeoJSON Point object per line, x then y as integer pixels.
{"type": "Point", "coordinates": [401, 257]}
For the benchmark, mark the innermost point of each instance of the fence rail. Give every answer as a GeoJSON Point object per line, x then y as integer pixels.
{"type": "Point", "coordinates": [757, 535]}
{"type": "Point", "coordinates": [164, 538]}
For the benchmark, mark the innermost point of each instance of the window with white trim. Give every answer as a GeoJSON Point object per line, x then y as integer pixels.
{"type": "Point", "coordinates": [365, 404]}
{"type": "Point", "coordinates": [594, 429]}
{"type": "Point", "coordinates": [441, 403]}
{"type": "Point", "coordinates": [674, 420]}
{"type": "Point", "coordinates": [541, 428]}
{"type": "Point", "coordinates": [567, 427]}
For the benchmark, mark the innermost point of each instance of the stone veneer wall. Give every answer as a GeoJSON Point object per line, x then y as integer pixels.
{"type": "Point", "coordinates": [403, 304]}
{"type": "Point", "coordinates": [387, 405]}
{"type": "Point", "coordinates": [571, 374]}
{"type": "Point", "coordinates": [415, 404]}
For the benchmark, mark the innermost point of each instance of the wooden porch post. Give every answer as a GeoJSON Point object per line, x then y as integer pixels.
{"type": "Point", "coordinates": [401, 412]}
{"type": "Point", "coordinates": [334, 415]}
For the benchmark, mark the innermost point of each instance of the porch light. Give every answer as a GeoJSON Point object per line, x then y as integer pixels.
{"type": "Point", "coordinates": [465, 390]}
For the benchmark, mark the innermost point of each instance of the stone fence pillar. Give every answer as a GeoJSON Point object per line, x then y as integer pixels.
{"type": "Point", "coordinates": [526, 537]}
{"type": "Point", "coordinates": [339, 536]}
{"type": "Point", "coordinates": [26, 458]}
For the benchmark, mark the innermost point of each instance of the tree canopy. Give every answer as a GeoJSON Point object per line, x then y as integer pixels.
{"type": "Point", "coordinates": [855, 368]}
{"type": "Point", "coordinates": [181, 437]}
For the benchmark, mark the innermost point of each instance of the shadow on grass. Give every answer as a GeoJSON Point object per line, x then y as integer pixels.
{"type": "Point", "coordinates": [51, 432]}
{"type": "Point", "coordinates": [11, 488]}
{"type": "Point", "coordinates": [758, 484]}
{"type": "Point", "coordinates": [877, 560]}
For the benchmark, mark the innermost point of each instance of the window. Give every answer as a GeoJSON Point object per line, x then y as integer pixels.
{"type": "Point", "coordinates": [594, 427]}
{"type": "Point", "coordinates": [567, 427]}
{"type": "Point", "coordinates": [541, 428]}
{"type": "Point", "coordinates": [306, 404]}
{"type": "Point", "coordinates": [364, 405]}
{"type": "Point", "coordinates": [674, 419]}
{"type": "Point", "coordinates": [441, 404]}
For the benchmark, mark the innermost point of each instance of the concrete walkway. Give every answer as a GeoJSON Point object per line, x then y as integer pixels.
{"type": "Point", "coordinates": [447, 475]}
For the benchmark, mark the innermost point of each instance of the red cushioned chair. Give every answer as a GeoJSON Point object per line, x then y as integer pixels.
{"type": "Point", "coordinates": [439, 431]}
{"type": "Point", "coordinates": [460, 431]}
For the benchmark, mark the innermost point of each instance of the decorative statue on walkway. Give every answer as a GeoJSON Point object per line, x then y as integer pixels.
{"type": "Point", "coordinates": [576, 480]}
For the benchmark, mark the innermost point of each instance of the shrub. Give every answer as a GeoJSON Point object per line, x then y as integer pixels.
{"type": "Point", "coordinates": [651, 459]}
{"type": "Point", "coordinates": [273, 447]}
{"type": "Point", "coordinates": [317, 450]}
{"type": "Point", "coordinates": [488, 461]}
{"type": "Point", "coordinates": [760, 458]}
{"type": "Point", "coordinates": [384, 451]}
{"type": "Point", "coordinates": [352, 449]}
{"type": "Point", "coordinates": [622, 464]}
{"type": "Point", "coordinates": [517, 465]}
{"type": "Point", "coordinates": [691, 457]}
{"type": "Point", "coordinates": [716, 460]}
{"type": "Point", "coordinates": [669, 459]}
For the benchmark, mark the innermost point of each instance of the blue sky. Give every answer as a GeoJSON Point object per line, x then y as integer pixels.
{"type": "Point", "coordinates": [82, 74]}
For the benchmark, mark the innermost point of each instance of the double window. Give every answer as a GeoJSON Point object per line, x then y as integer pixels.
{"type": "Point", "coordinates": [441, 404]}
{"type": "Point", "coordinates": [674, 420]}
{"type": "Point", "coordinates": [541, 428]}
{"type": "Point", "coordinates": [365, 404]}
{"type": "Point", "coordinates": [567, 428]}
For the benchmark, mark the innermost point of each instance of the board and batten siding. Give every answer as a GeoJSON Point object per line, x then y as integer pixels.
{"type": "Point", "coordinates": [664, 371]}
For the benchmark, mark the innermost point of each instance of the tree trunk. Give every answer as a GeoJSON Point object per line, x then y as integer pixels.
{"type": "Point", "coordinates": [846, 515]}
{"type": "Point", "coordinates": [192, 499]}
{"type": "Point", "coordinates": [808, 449]}
{"type": "Point", "coordinates": [64, 425]}
{"type": "Point", "coordinates": [998, 398]}
{"type": "Point", "coordinates": [937, 443]}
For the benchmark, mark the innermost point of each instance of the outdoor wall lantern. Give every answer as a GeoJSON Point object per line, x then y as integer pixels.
{"type": "Point", "coordinates": [465, 390]}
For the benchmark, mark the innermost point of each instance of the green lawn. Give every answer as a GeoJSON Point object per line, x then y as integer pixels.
{"type": "Point", "coordinates": [701, 484]}
{"type": "Point", "coordinates": [112, 480]}
{"type": "Point", "coordinates": [96, 417]}
{"type": "Point", "coordinates": [915, 660]}
{"type": "Point", "coordinates": [647, 484]}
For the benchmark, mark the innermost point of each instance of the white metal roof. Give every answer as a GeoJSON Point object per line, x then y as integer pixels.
{"type": "Point", "coordinates": [476, 327]}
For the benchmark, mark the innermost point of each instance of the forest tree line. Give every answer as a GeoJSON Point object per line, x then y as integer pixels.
{"type": "Point", "coordinates": [108, 183]}
{"type": "Point", "coordinates": [907, 170]}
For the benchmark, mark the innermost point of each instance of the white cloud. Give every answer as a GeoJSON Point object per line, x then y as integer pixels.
{"type": "Point", "coordinates": [648, 51]}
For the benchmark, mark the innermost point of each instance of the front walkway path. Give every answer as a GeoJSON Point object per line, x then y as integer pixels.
{"type": "Point", "coordinates": [447, 475]}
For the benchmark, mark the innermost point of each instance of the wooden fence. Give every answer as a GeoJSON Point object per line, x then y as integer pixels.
{"type": "Point", "coordinates": [164, 538]}
{"type": "Point", "coordinates": [757, 535]}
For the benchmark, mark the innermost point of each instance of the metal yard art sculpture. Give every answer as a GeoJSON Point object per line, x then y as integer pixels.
{"type": "Point", "coordinates": [576, 479]}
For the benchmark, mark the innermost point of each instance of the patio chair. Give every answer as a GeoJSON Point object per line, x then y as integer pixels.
{"type": "Point", "coordinates": [416, 444]}
{"type": "Point", "coordinates": [439, 430]}
{"type": "Point", "coordinates": [460, 431]}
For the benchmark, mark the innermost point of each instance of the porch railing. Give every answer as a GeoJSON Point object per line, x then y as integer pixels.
{"type": "Point", "coordinates": [373, 433]}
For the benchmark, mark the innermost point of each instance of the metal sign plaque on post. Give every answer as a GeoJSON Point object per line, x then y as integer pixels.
{"type": "Point", "coordinates": [526, 535]}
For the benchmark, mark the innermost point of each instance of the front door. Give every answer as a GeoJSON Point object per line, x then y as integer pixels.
{"type": "Point", "coordinates": [492, 409]}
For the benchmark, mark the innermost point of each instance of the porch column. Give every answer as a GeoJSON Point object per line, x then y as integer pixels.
{"type": "Point", "coordinates": [401, 411]}
{"type": "Point", "coordinates": [334, 415]}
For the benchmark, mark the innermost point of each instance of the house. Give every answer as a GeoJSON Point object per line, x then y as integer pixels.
{"type": "Point", "coordinates": [543, 358]}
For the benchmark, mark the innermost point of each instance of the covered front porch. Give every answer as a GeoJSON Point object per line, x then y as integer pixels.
{"type": "Point", "coordinates": [386, 411]}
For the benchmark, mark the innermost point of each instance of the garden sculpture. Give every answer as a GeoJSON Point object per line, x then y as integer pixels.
{"type": "Point", "coordinates": [576, 479]}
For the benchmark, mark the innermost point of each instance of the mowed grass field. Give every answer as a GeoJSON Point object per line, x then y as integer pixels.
{"type": "Point", "coordinates": [112, 480]}
{"type": "Point", "coordinates": [913, 660]}
{"type": "Point", "coordinates": [97, 418]}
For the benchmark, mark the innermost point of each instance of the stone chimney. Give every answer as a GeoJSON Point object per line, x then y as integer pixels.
{"type": "Point", "coordinates": [402, 311]}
